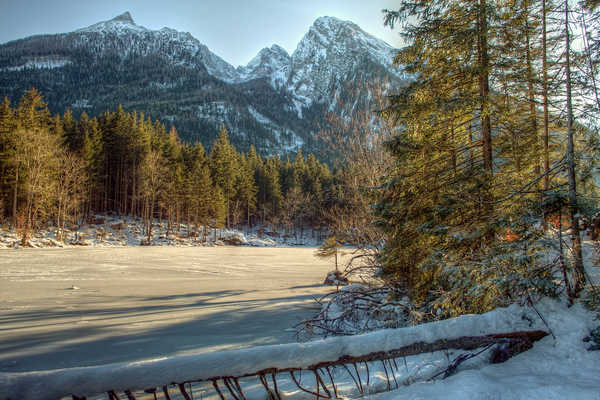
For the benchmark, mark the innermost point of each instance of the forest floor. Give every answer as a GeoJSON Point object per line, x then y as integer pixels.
{"type": "Point", "coordinates": [87, 306]}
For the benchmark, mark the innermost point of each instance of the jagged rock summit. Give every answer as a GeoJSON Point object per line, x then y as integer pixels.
{"type": "Point", "coordinates": [125, 17]}
{"type": "Point", "coordinates": [122, 22]}
{"type": "Point", "coordinates": [271, 63]}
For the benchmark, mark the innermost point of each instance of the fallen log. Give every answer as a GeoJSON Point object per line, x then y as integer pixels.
{"type": "Point", "coordinates": [511, 344]}
{"type": "Point", "coordinates": [464, 333]}
{"type": "Point", "coordinates": [524, 338]}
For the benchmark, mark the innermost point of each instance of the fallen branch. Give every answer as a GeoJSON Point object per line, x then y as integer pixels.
{"type": "Point", "coordinates": [512, 343]}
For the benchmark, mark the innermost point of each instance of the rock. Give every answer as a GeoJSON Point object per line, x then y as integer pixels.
{"type": "Point", "coordinates": [235, 239]}
{"type": "Point", "coordinates": [96, 221]}
{"type": "Point", "coordinates": [262, 242]}
{"type": "Point", "coordinates": [119, 226]}
{"type": "Point", "coordinates": [272, 234]}
{"type": "Point", "coordinates": [593, 337]}
{"type": "Point", "coordinates": [335, 278]}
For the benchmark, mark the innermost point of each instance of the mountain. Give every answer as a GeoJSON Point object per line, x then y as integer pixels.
{"type": "Point", "coordinates": [276, 102]}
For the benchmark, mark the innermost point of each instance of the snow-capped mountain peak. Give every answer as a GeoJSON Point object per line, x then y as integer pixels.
{"type": "Point", "coordinates": [271, 62]}
{"type": "Point", "coordinates": [330, 23]}
{"type": "Point", "coordinates": [277, 97]}
{"type": "Point", "coordinates": [125, 17]}
{"type": "Point", "coordinates": [330, 34]}
{"type": "Point", "coordinates": [181, 48]}
{"type": "Point", "coordinates": [119, 24]}
{"type": "Point", "coordinates": [274, 51]}
{"type": "Point", "coordinates": [330, 51]}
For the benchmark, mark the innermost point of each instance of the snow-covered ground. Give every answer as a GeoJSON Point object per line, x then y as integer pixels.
{"type": "Point", "coordinates": [87, 306]}
{"type": "Point", "coordinates": [558, 367]}
{"type": "Point", "coordinates": [123, 231]}
{"type": "Point", "coordinates": [174, 307]}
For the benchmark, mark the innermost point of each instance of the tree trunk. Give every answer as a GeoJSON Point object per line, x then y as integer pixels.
{"type": "Point", "coordinates": [531, 95]}
{"type": "Point", "coordinates": [484, 89]}
{"type": "Point", "coordinates": [15, 197]}
{"type": "Point", "coordinates": [470, 132]}
{"type": "Point", "coordinates": [579, 272]}
{"type": "Point", "coordinates": [248, 217]}
{"type": "Point", "coordinates": [228, 213]}
{"type": "Point", "coordinates": [453, 150]}
{"type": "Point", "coordinates": [133, 193]}
{"type": "Point", "coordinates": [336, 260]}
{"type": "Point", "coordinates": [545, 98]}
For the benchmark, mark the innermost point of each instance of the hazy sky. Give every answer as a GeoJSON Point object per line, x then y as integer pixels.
{"type": "Point", "coordinates": [233, 29]}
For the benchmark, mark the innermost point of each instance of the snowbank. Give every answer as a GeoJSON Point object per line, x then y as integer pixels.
{"type": "Point", "coordinates": [151, 373]}
{"type": "Point", "coordinates": [112, 231]}
{"type": "Point", "coordinates": [553, 369]}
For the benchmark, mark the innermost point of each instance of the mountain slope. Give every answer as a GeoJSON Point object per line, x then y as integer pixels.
{"type": "Point", "coordinates": [276, 102]}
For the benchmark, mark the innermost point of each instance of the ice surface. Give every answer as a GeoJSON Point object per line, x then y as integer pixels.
{"type": "Point", "coordinates": [145, 302]}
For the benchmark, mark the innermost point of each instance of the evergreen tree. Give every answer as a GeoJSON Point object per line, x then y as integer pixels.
{"type": "Point", "coordinates": [199, 187]}
{"type": "Point", "coordinates": [32, 111]}
{"type": "Point", "coordinates": [246, 188]}
{"type": "Point", "coordinates": [439, 208]}
{"type": "Point", "coordinates": [71, 131]}
{"type": "Point", "coordinates": [218, 209]}
{"type": "Point", "coordinates": [92, 157]}
{"type": "Point", "coordinates": [7, 124]}
{"type": "Point", "coordinates": [224, 168]}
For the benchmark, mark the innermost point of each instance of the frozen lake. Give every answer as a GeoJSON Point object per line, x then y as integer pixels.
{"type": "Point", "coordinates": [137, 303]}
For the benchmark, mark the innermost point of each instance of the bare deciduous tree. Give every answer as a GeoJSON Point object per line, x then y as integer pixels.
{"type": "Point", "coordinates": [70, 189]}
{"type": "Point", "coordinates": [36, 153]}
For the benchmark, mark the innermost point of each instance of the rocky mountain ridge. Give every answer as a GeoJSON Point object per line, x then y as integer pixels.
{"type": "Point", "coordinates": [276, 102]}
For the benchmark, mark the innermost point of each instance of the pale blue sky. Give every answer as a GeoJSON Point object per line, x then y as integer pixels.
{"type": "Point", "coordinates": [234, 29]}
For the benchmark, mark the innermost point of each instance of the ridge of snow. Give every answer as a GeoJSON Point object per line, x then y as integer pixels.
{"type": "Point", "coordinates": [182, 46]}
{"type": "Point", "coordinates": [258, 116]}
{"type": "Point", "coordinates": [552, 369]}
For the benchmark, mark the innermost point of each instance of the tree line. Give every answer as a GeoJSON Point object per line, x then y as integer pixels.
{"type": "Point", "coordinates": [59, 171]}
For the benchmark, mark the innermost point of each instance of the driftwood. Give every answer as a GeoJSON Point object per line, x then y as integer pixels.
{"type": "Point", "coordinates": [506, 345]}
